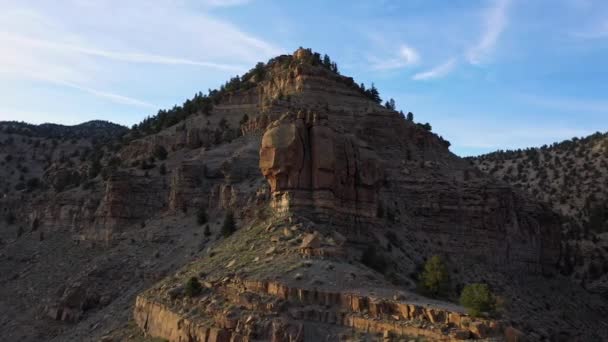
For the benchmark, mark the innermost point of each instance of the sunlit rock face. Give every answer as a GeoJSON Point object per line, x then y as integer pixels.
{"type": "Point", "coordinates": [310, 166]}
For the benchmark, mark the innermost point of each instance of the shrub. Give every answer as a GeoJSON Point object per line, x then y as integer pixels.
{"type": "Point", "coordinates": [160, 152]}
{"type": "Point", "coordinates": [201, 216]}
{"type": "Point", "coordinates": [477, 298]}
{"type": "Point", "coordinates": [32, 184]}
{"type": "Point", "coordinates": [373, 260]}
{"type": "Point", "coordinates": [10, 218]}
{"type": "Point", "coordinates": [193, 287]}
{"type": "Point", "coordinates": [35, 224]}
{"type": "Point", "coordinates": [434, 280]}
{"type": "Point", "coordinates": [229, 225]}
{"type": "Point", "coordinates": [95, 168]}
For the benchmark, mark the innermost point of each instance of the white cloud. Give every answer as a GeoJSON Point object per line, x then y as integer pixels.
{"type": "Point", "coordinates": [406, 56]}
{"type": "Point", "coordinates": [410, 56]}
{"type": "Point", "coordinates": [436, 72]}
{"type": "Point", "coordinates": [495, 22]}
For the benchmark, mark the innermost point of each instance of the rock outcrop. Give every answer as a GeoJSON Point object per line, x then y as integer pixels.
{"type": "Point", "coordinates": [128, 199]}
{"type": "Point", "coordinates": [310, 166]}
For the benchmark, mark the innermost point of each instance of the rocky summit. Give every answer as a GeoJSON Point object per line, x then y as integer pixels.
{"type": "Point", "coordinates": [289, 205]}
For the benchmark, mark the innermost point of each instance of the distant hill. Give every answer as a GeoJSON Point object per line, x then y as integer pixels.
{"type": "Point", "coordinates": [571, 175]}
{"type": "Point", "coordinates": [90, 130]}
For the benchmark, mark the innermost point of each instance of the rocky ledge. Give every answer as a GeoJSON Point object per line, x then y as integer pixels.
{"type": "Point", "coordinates": [267, 310]}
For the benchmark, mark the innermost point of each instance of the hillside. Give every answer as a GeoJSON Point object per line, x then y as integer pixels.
{"type": "Point", "coordinates": [572, 177]}
{"type": "Point", "coordinates": [288, 205]}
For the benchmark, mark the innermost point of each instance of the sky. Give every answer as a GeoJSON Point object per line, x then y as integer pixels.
{"type": "Point", "coordinates": [486, 74]}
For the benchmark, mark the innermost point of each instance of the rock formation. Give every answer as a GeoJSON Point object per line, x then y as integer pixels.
{"type": "Point", "coordinates": [309, 165]}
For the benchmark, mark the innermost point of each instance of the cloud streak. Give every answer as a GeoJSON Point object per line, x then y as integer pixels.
{"type": "Point", "coordinates": [436, 72]}
{"type": "Point", "coordinates": [116, 98]}
{"type": "Point", "coordinates": [495, 22]}
{"type": "Point", "coordinates": [567, 104]}
{"type": "Point", "coordinates": [132, 57]}
{"type": "Point", "coordinates": [225, 3]}
{"type": "Point", "coordinates": [406, 56]}
{"type": "Point", "coordinates": [81, 45]}
{"type": "Point", "coordinates": [598, 32]}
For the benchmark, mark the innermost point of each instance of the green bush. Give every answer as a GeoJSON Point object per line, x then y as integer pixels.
{"type": "Point", "coordinates": [434, 280]}
{"type": "Point", "coordinates": [193, 287]}
{"type": "Point", "coordinates": [478, 298]}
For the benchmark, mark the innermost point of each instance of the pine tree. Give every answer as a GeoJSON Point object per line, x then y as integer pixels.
{"type": "Point", "coordinates": [410, 116]}
{"type": "Point", "coordinates": [334, 67]}
{"type": "Point", "coordinates": [374, 94]}
{"type": "Point", "coordinates": [326, 61]}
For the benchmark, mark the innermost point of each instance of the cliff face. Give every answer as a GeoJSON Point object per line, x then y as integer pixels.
{"type": "Point", "coordinates": [364, 165]}
{"type": "Point", "coordinates": [310, 166]}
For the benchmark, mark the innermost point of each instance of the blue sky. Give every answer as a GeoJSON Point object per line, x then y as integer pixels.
{"type": "Point", "coordinates": [487, 74]}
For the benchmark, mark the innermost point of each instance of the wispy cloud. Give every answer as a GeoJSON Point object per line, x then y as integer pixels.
{"type": "Point", "coordinates": [502, 134]}
{"type": "Point", "coordinates": [81, 44]}
{"type": "Point", "coordinates": [132, 57]}
{"type": "Point", "coordinates": [574, 105]}
{"type": "Point", "coordinates": [405, 56]}
{"type": "Point", "coordinates": [116, 98]}
{"type": "Point", "coordinates": [598, 31]}
{"type": "Point", "coordinates": [225, 3]}
{"type": "Point", "coordinates": [495, 22]}
{"type": "Point", "coordinates": [436, 72]}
